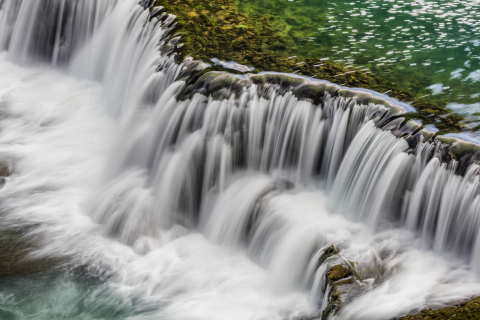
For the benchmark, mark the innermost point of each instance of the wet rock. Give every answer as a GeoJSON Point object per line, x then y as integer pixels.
{"type": "Point", "coordinates": [394, 117]}
{"type": "Point", "coordinates": [15, 250]}
{"type": "Point", "coordinates": [341, 283]}
{"type": "Point", "coordinates": [339, 279]}
{"type": "Point", "coordinates": [155, 11]}
{"type": "Point", "coordinates": [220, 85]}
{"type": "Point", "coordinates": [468, 310]}
{"type": "Point", "coordinates": [338, 272]}
{"type": "Point", "coordinates": [5, 169]}
{"type": "Point", "coordinates": [148, 3]}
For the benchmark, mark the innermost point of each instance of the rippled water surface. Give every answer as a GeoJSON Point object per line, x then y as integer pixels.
{"type": "Point", "coordinates": [429, 47]}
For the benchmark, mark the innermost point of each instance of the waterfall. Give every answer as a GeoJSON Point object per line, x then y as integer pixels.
{"type": "Point", "coordinates": [49, 30]}
{"type": "Point", "coordinates": [276, 167]}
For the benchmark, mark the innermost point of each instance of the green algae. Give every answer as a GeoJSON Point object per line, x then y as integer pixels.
{"type": "Point", "coordinates": [466, 311]}
{"type": "Point", "coordinates": [219, 30]}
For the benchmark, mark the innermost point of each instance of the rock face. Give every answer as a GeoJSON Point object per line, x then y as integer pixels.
{"type": "Point", "coordinates": [467, 310]}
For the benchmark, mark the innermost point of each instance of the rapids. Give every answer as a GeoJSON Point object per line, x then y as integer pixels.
{"type": "Point", "coordinates": [208, 208]}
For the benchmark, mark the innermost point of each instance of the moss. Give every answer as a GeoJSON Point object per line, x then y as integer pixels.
{"type": "Point", "coordinates": [469, 310]}
{"type": "Point", "coordinates": [338, 272]}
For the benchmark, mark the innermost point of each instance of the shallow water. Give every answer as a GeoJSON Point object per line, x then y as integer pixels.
{"type": "Point", "coordinates": [429, 47]}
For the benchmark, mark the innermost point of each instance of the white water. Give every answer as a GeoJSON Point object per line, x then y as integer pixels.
{"type": "Point", "coordinates": [208, 209]}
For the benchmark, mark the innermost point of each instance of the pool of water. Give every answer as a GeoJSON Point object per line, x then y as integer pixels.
{"type": "Point", "coordinates": [429, 47]}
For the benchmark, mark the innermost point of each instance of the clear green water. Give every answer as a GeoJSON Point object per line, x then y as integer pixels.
{"type": "Point", "coordinates": [60, 297]}
{"type": "Point", "coordinates": [429, 47]}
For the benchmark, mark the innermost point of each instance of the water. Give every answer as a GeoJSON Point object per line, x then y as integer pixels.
{"type": "Point", "coordinates": [210, 208]}
{"type": "Point", "coordinates": [428, 47]}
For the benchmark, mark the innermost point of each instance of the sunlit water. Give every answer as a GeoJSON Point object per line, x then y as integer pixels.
{"type": "Point", "coordinates": [430, 47]}
{"type": "Point", "coordinates": [106, 166]}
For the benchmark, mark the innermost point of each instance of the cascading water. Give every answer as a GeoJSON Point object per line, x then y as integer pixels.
{"type": "Point", "coordinates": [49, 30]}
{"type": "Point", "coordinates": [203, 200]}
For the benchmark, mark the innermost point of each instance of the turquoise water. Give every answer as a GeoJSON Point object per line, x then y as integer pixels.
{"type": "Point", "coordinates": [59, 296]}
{"type": "Point", "coordinates": [429, 47]}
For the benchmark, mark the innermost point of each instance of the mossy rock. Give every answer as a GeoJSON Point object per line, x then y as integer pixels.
{"type": "Point", "coordinates": [466, 311]}
{"type": "Point", "coordinates": [464, 152]}
{"type": "Point", "coordinates": [338, 272]}
{"type": "Point", "coordinates": [340, 284]}
{"type": "Point", "coordinates": [339, 279]}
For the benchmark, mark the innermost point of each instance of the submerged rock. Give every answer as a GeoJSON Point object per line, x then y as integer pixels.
{"type": "Point", "coordinates": [15, 256]}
